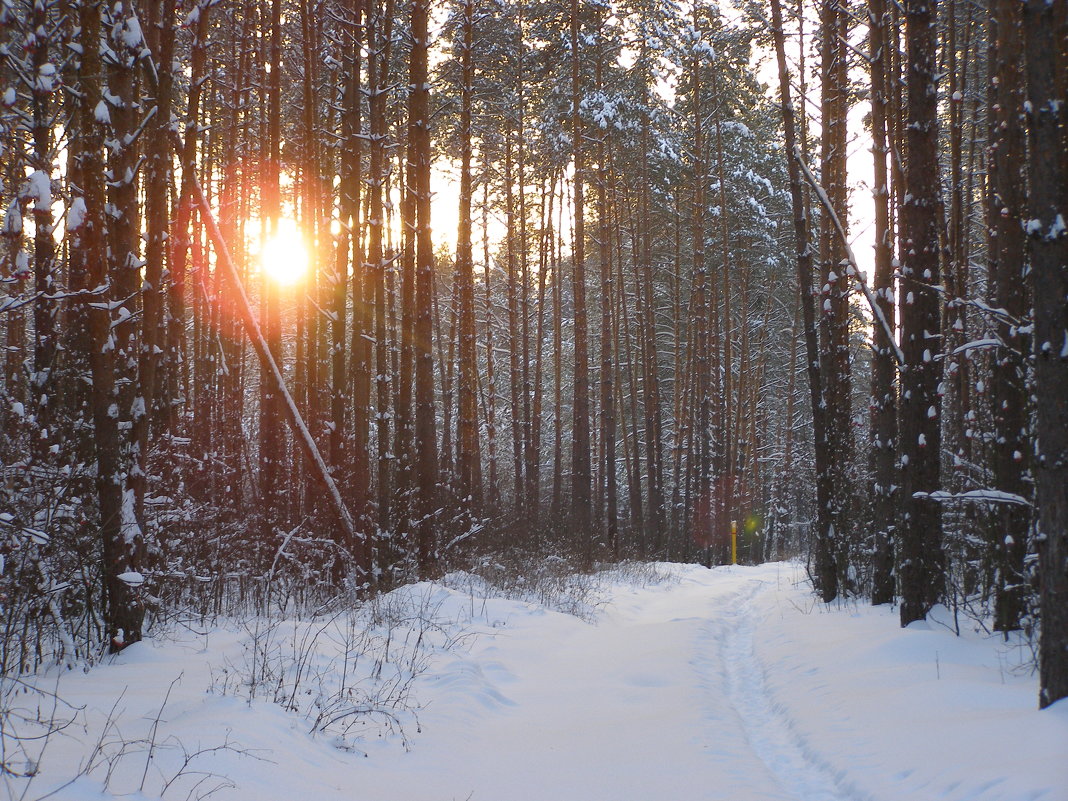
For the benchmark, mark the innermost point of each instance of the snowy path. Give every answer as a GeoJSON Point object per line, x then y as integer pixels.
{"type": "Point", "coordinates": [666, 697]}
{"type": "Point", "coordinates": [724, 685]}
{"type": "Point", "coordinates": [767, 727]}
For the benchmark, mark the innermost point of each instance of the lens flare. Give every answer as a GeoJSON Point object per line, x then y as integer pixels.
{"type": "Point", "coordinates": [284, 256]}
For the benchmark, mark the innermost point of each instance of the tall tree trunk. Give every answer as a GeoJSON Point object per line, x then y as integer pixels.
{"type": "Point", "coordinates": [826, 577]}
{"type": "Point", "coordinates": [544, 266]}
{"type": "Point", "coordinates": [378, 37]}
{"type": "Point", "coordinates": [44, 243]}
{"type": "Point", "coordinates": [178, 386]}
{"type": "Point", "coordinates": [608, 392]}
{"type": "Point", "coordinates": [404, 427]}
{"type": "Point", "coordinates": [468, 450]}
{"type": "Point", "coordinates": [159, 155]}
{"type": "Point", "coordinates": [581, 478]}
{"type": "Point", "coordinates": [529, 455]}
{"type": "Point", "coordinates": [957, 390]}
{"type": "Point", "coordinates": [883, 432]}
{"type": "Point", "coordinates": [701, 347]}
{"type": "Point", "coordinates": [1010, 457]}
{"type": "Point", "coordinates": [357, 376]}
{"type": "Point", "coordinates": [312, 301]}
{"type": "Point", "coordinates": [360, 475]}
{"type": "Point", "coordinates": [419, 182]}
{"type": "Point", "coordinates": [124, 612]}
{"type": "Point", "coordinates": [272, 441]}
{"type": "Point", "coordinates": [651, 397]}
{"type": "Point", "coordinates": [13, 275]}
{"type": "Point", "coordinates": [1045, 34]}
{"type": "Point", "coordinates": [921, 567]}
{"type": "Point", "coordinates": [724, 441]}
{"type": "Point", "coordinates": [557, 504]}
{"type": "Point", "coordinates": [493, 498]}
{"type": "Point", "coordinates": [512, 300]}
{"type": "Point", "coordinates": [834, 282]}
{"type": "Point", "coordinates": [123, 231]}
{"type": "Point", "coordinates": [625, 338]}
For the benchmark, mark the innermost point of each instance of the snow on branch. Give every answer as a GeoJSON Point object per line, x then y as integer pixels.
{"type": "Point", "coordinates": [974, 496]}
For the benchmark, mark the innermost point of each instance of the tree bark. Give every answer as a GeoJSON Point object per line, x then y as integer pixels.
{"type": "Point", "coordinates": [921, 568]}
{"type": "Point", "coordinates": [124, 611]}
{"type": "Point", "coordinates": [1045, 33]}
{"type": "Point", "coordinates": [468, 450]}
{"type": "Point", "coordinates": [834, 289]}
{"type": "Point", "coordinates": [1010, 457]}
{"type": "Point", "coordinates": [419, 180]}
{"type": "Point", "coordinates": [608, 289]}
{"type": "Point", "coordinates": [883, 421]}
{"type": "Point", "coordinates": [581, 474]}
{"type": "Point", "coordinates": [825, 574]}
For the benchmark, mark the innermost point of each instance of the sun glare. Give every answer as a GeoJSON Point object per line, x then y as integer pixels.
{"type": "Point", "coordinates": [284, 257]}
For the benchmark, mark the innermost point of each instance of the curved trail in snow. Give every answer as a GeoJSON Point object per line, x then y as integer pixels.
{"type": "Point", "coordinates": [769, 730]}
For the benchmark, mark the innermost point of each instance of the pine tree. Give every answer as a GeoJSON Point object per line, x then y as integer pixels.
{"type": "Point", "coordinates": [1045, 29]}
{"type": "Point", "coordinates": [920, 546]}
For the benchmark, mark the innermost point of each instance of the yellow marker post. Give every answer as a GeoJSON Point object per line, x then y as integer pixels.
{"type": "Point", "coordinates": [734, 542]}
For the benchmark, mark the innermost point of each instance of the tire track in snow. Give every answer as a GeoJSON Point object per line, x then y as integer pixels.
{"type": "Point", "coordinates": [768, 728]}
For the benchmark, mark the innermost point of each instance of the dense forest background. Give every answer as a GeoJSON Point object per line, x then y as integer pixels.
{"type": "Point", "coordinates": [648, 325]}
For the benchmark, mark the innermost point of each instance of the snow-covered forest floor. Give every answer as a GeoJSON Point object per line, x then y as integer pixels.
{"type": "Point", "coordinates": [647, 683]}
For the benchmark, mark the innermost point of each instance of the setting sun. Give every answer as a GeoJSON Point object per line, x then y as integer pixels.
{"type": "Point", "coordinates": [284, 256]}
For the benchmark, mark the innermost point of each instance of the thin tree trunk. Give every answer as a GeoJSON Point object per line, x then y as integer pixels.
{"type": "Point", "coordinates": [651, 397]}
{"type": "Point", "coordinates": [558, 389]}
{"type": "Point", "coordinates": [44, 243]}
{"type": "Point", "coordinates": [468, 449]}
{"type": "Point", "coordinates": [581, 478]}
{"type": "Point", "coordinates": [608, 288]}
{"type": "Point", "coordinates": [725, 443]}
{"type": "Point", "coordinates": [512, 296]}
{"type": "Point", "coordinates": [359, 374]}
{"type": "Point", "coordinates": [1010, 457]}
{"type": "Point", "coordinates": [426, 445]}
{"type": "Point", "coordinates": [272, 442]}
{"type": "Point", "coordinates": [883, 431]}
{"type": "Point", "coordinates": [544, 261]}
{"type": "Point", "coordinates": [378, 37]}
{"type": "Point", "coordinates": [493, 496]}
{"type": "Point", "coordinates": [826, 577]}
{"type": "Point", "coordinates": [701, 348]}
{"type": "Point", "coordinates": [161, 42]}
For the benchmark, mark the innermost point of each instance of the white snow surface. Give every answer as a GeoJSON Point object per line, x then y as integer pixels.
{"type": "Point", "coordinates": [730, 684]}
